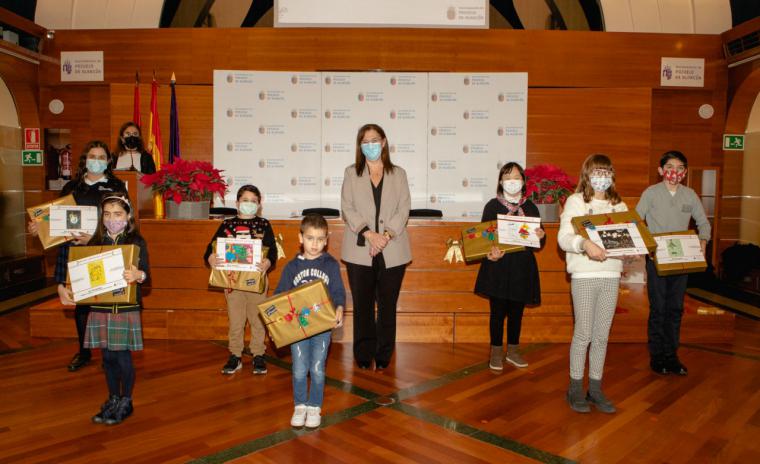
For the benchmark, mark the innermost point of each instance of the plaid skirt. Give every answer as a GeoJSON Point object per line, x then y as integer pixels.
{"type": "Point", "coordinates": [116, 332]}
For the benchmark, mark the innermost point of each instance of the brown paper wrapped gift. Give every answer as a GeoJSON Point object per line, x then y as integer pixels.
{"type": "Point", "coordinates": [127, 295]}
{"type": "Point", "coordinates": [247, 281]}
{"type": "Point", "coordinates": [41, 215]}
{"type": "Point", "coordinates": [477, 241]}
{"type": "Point", "coordinates": [623, 217]}
{"type": "Point", "coordinates": [666, 269]}
{"type": "Point", "coordinates": [298, 313]}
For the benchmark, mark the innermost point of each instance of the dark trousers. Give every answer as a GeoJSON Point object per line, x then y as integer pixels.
{"type": "Point", "coordinates": [513, 312]}
{"type": "Point", "coordinates": [81, 313]}
{"type": "Point", "coordinates": [665, 310]}
{"type": "Point", "coordinates": [374, 335]}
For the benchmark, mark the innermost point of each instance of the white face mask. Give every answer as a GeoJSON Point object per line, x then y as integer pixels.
{"type": "Point", "coordinates": [512, 187]}
{"type": "Point", "coordinates": [600, 183]}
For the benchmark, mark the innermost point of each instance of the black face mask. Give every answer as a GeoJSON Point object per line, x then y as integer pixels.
{"type": "Point", "coordinates": [132, 142]}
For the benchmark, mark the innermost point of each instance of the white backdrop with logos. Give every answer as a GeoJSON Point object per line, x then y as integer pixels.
{"type": "Point", "coordinates": [293, 134]}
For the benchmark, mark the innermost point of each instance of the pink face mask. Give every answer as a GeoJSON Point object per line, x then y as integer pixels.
{"type": "Point", "coordinates": [673, 176]}
{"type": "Point", "coordinates": [115, 226]}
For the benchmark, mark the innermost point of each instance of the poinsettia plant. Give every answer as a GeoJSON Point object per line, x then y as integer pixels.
{"type": "Point", "coordinates": [547, 183]}
{"type": "Point", "coordinates": [187, 181]}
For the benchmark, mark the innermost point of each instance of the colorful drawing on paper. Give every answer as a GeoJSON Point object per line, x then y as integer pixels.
{"type": "Point", "coordinates": [674, 247]}
{"type": "Point", "coordinates": [238, 253]}
{"type": "Point", "coordinates": [97, 272]}
{"type": "Point", "coordinates": [524, 231]}
{"type": "Point", "coordinates": [489, 233]}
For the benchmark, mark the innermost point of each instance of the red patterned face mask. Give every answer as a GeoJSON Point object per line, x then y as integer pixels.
{"type": "Point", "coordinates": [673, 176]}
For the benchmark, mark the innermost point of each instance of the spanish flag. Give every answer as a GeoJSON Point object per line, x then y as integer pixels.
{"type": "Point", "coordinates": [154, 144]}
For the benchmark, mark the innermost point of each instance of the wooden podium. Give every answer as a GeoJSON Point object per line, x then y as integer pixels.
{"type": "Point", "coordinates": [139, 194]}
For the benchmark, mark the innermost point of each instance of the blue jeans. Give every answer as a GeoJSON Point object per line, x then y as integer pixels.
{"type": "Point", "coordinates": [309, 357]}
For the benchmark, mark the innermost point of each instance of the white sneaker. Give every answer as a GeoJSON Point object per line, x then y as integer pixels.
{"type": "Point", "coordinates": [299, 416]}
{"type": "Point", "coordinates": [312, 416]}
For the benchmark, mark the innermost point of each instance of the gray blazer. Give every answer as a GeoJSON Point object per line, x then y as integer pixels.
{"type": "Point", "coordinates": [358, 210]}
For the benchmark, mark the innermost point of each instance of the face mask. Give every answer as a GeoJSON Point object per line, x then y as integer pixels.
{"type": "Point", "coordinates": [96, 166]}
{"type": "Point", "coordinates": [115, 226]}
{"type": "Point", "coordinates": [372, 150]}
{"type": "Point", "coordinates": [248, 208]}
{"type": "Point", "coordinates": [600, 183]}
{"type": "Point", "coordinates": [132, 142]}
{"type": "Point", "coordinates": [673, 176]}
{"type": "Point", "coordinates": [512, 187]}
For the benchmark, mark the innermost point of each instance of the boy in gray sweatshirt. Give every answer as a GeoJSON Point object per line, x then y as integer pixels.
{"type": "Point", "coordinates": [669, 207]}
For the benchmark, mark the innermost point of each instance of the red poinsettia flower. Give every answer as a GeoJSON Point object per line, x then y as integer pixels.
{"type": "Point", "coordinates": [187, 181]}
{"type": "Point", "coordinates": [546, 183]}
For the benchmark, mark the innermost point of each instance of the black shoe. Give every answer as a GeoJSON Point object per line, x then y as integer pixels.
{"type": "Point", "coordinates": [233, 365]}
{"type": "Point", "coordinates": [675, 367]}
{"type": "Point", "coordinates": [259, 365]}
{"type": "Point", "coordinates": [106, 410]}
{"type": "Point", "coordinates": [78, 362]}
{"type": "Point", "coordinates": [122, 410]}
{"type": "Point", "coordinates": [363, 365]}
{"type": "Point", "coordinates": [380, 365]}
{"type": "Point", "coordinates": [659, 367]}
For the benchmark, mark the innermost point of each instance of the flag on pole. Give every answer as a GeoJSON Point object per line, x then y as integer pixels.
{"type": "Point", "coordinates": [154, 144]}
{"type": "Point", "coordinates": [154, 139]}
{"type": "Point", "coordinates": [136, 110]}
{"type": "Point", "coordinates": [174, 153]}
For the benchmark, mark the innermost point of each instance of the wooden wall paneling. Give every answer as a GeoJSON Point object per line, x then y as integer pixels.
{"type": "Point", "coordinates": [567, 125]}
{"type": "Point", "coordinates": [195, 109]}
{"type": "Point", "coordinates": [553, 58]}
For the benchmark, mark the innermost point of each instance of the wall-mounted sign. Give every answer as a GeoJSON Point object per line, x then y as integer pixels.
{"type": "Point", "coordinates": [31, 138]}
{"type": "Point", "coordinates": [81, 66]}
{"type": "Point", "coordinates": [733, 142]}
{"type": "Point", "coordinates": [388, 13]}
{"type": "Point", "coordinates": [31, 158]}
{"type": "Point", "coordinates": [682, 72]}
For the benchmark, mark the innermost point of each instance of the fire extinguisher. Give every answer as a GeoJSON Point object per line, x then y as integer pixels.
{"type": "Point", "coordinates": [64, 162]}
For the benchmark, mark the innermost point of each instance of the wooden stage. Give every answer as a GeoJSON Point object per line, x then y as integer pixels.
{"type": "Point", "coordinates": [436, 305]}
{"type": "Point", "coordinates": [448, 406]}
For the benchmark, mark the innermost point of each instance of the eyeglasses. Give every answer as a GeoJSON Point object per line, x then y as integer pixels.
{"type": "Point", "coordinates": [600, 172]}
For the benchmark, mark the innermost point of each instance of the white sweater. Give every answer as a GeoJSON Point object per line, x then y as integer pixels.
{"type": "Point", "coordinates": [578, 264]}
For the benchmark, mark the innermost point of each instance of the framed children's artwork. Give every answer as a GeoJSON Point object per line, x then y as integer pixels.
{"type": "Point", "coordinates": [238, 254]}
{"type": "Point", "coordinates": [66, 221]}
{"type": "Point", "coordinates": [618, 239]}
{"type": "Point", "coordinates": [678, 249]}
{"type": "Point", "coordinates": [519, 230]}
{"type": "Point", "coordinates": [97, 274]}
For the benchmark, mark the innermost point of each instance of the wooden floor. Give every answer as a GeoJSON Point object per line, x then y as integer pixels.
{"type": "Point", "coordinates": [448, 407]}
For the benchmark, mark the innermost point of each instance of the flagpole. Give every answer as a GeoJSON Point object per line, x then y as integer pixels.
{"type": "Point", "coordinates": [155, 144]}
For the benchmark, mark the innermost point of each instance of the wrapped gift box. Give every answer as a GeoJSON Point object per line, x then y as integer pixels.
{"type": "Point", "coordinates": [127, 295]}
{"type": "Point", "coordinates": [678, 253]}
{"type": "Point", "coordinates": [298, 313]}
{"type": "Point", "coordinates": [41, 215]}
{"type": "Point", "coordinates": [580, 223]}
{"type": "Point", "coordinates": [247, 281]}
{"type": "Point", "coordinates": [477, 241]}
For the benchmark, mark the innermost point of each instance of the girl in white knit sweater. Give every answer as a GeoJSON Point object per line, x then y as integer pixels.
{"type": "Point", "coordinates": [595, 282]}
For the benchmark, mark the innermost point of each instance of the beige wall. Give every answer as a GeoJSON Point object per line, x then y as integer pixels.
{"type": "Point", "coordinates": [749, 229]}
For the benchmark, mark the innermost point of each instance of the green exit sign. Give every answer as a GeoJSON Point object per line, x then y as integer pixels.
{"type": "Point", "coordinates": [733, 142]}
{"type": "Point", "coordinates": [31, 158]}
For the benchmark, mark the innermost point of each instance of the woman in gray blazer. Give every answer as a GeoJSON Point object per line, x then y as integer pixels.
{"type": "Point", "coordinates": [375, 204]}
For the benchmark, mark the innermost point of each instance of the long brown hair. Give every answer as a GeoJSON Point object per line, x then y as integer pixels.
{"type": "Point", "coordinates": [385, 155]}
{"type": "Point", "coordinates": [82, 169]}
{"type": "Point", "coordinates": [121, 199]}
{"type": "Point", "coordinates": [596, 161]}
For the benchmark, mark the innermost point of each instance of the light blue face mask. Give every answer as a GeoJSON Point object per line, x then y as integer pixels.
{"type": "Point", "coordinates": [248, 208]}
{"type": "Point", "coordinates": [96, 166]}
{"type": "Point", "coordinates": [372, 150]}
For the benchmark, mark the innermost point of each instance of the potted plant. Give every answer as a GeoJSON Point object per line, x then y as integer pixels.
{"type": "Point", "coordinates": [548, 186]}
{"type": "Point", "coordinates": [187, 187]}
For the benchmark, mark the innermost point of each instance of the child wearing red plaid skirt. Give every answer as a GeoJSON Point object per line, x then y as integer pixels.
{"type": "Point", "coordinates": [117, 329]}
